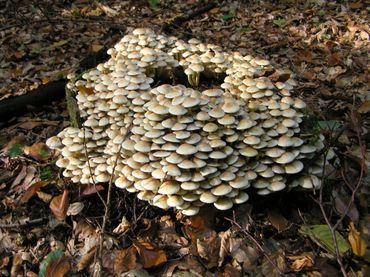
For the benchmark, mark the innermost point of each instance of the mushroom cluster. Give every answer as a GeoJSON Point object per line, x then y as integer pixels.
{"type": "Point", "coordinates": [180, 147]}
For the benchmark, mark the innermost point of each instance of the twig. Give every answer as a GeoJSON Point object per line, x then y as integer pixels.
{"type": "Point", "coordinates": [260, 248]}
{"type": "Point", "coordinates": [24, 224]}
{"type": "Point", "coordinates": [177, 21]}
{"type": "Point", "coordinates": [333, 228]}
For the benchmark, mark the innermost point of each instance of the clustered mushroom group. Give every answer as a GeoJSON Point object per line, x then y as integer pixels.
{"type": "Point", "coordinates": [180, 147]}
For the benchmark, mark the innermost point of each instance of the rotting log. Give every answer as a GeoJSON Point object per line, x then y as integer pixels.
{"type": "Point", "coordinates": [44, 94]}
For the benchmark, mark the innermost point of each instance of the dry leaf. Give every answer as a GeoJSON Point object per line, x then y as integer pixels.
{"type": "Point", "coordinates": [58, 268]}
{"type": "Point", "coordinates": [75, 208]}
{"type": "Point", "coordinates": [122, 227]}
{"type": "Point", "coordinates": [86, 259]}
{"type": "Point", "coordinates": [208, 248]}
{"type": "Point", "coordinates": [278, 221]}
{"type": "Point", "coordinates": [230, 271]}
{"type": "Point", "coordinates": [358, 245]}
{"type": "Point", "coordinates": [365, 107]}
{"type": "Point", "coordinates": [59, 205]}
{"type": "Point", "coordinates": [125, 260]}
{"type": "Point", "coordinates": [301, 261]}
{"type": "Point", "coordinates": [46, 197]}
{"type": "Point", "coordinates": [150, 255]}
{"type": "Point", "coordinates": [32, 190]}
{"type": "Point", "coordinates": [39, 151]}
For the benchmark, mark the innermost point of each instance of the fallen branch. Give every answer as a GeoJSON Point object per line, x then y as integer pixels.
{"type": "Point", "coordinates": [179, 20]}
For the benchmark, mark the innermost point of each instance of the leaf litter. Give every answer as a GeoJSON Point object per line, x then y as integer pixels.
{"type": "Point", "coordinates": [57, 223]}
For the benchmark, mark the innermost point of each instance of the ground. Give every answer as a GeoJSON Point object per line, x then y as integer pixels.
{"type": "Point", "coordinates": [51, 226]}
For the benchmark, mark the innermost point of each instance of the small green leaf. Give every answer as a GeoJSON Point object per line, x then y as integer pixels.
{"type": "Point", "coordinates": [321, 13]}
{"type": "Point", "coordinates": [153, 4]}
{"type": "Point", "coordinates": [47, 173]}
{"type": "Point", "coordinates": [245, 29]}
{"type": "Point", "coordinates": [52, 256]}
{"type": "Point", "coordinates": [330, 124]}
{"type": "Point", "coordinates": [279, 22]}
{"type": "Point", "coordinates": [227, 16]}
{"type": "Point", "coordinates": [321, 235]}
{"type": "Point", "coordinates": [15, 150]}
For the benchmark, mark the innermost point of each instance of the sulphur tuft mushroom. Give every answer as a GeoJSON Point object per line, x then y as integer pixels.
{"type": "Point", "coordinates": [184, 147]}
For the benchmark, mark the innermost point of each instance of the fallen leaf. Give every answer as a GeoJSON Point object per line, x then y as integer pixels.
{"type": "Point", "coordinates": [230, 271]}
{"type": "Point", "coordinates": [87, 190]}
{"type": "Point", "coordinates": [356, 5]}
{"type": "Point", "coordinates": [341, 203]}
{"type": "Point", "coordinates": [32, 190]}
{"type": "Point", "coordinates": [301, 262]}
{"type": "Point", "coordinates": [322, 236]}
{"type": "Point", "coordinates": [75, 208]}
{"type": "Point", "coordinates": [122, 227]}
{"type": "Point", "coordinates": [365, 107]}
{"type": "Point", "coordinates": [280, 22]}
{"type": "Point", "coordinates": [55, 264]}
{"type": "Point", "coordinates": [208, 248]}
{"type": "Point", "coordinates": [59, 205]}
{"type": "Point", "coordinates": [125, 260]}
{"type": "Point", "coordinates": [96, 47]}
{"type": "Point", "coordinates": [358, 245]}
{"type": "Point", "coordinates": [39, 151]}
{"type": "Point", "coordinates": [58, 43]}
{"type": "Point", "coordinates": [278, 221]}
{"type": "Point", "coordinates": [150, 255]}
{"type": "Point", "coordinates": [86, 259]}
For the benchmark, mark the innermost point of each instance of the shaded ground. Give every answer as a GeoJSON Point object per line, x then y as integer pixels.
{"type": "Point", "coordinates": [326, 46]}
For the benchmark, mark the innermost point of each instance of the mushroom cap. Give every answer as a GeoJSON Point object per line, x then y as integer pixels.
{"type": "Point", "coordinates": [208, 197]}
{"type": "Point", "coordinates": [223, 203]}
{"type": "Point", "coordinates": [190, 211]}
{"type": "Point", "coordinates": [169, 188]}
{"type": "Point", "coordinates": [294, 167]}
{"type": "Point", "coordinates": [186, 149]}
{"type": "Point", "coordinates": [221, 190]}
{"type": "Point", "coordinates": [241, 198]}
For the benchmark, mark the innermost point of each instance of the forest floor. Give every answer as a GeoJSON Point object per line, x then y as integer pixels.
{"type": "Point", "coordinates": [51, 227]}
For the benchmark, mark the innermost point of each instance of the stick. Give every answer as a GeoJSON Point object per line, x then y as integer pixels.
{"type": "Point", "coordinates": [260, 248]}
{"type": "Point", "coordinates": [24, 224]}
{"type": "Point", "coordinates": [177, 21]}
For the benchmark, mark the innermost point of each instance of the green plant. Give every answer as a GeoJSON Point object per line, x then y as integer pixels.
{"type": "Point", "coordinates": [153, 4]}
{"type": "Point", "coordinates": [15, 150]}
{"type": "Point", "coordinates": [227, 16]}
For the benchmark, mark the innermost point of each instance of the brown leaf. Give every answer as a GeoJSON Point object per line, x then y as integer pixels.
{"type": "Point", "coordinates": [58, 268]}
{"type": "Point", "coordinates": [32, 190]}
{"type": "Point", "coordinates": [305, 56]}
{"type": "Point", "coordinates": [334, 59]}
{"type": "Point", "coordinates": [75, 208]}
{"type": "Point", "coordinates": [86, 259]}
{"type": "Point", "coordinates": [125, 260]}
{"type": "Point", "coordinates": [150, 255]}
{"type": "Point", "coordinates": [356, 5]}
{"type": "Point", "coordinates": [39, 151]}
{"type": "Point", "coordinates": [365, 107]}
{"type": "Point", "coordinates": [278, 221]}
{"type": "Point", "coordinates": [87, 190]}
{"type": "Point", "coordinates": [46, 197]}
{"type": "Point", "coordinates": [301, 262]}
{"type": "Point", "coordinates": [209, 248]}
{"type": "Point", "coordinates": [4, 261]}
{"type": "Point", "coordinates": [59, 205]}
{"type": "Point", "coordinates": [230, 271]}
{"type": "Point", "coordinates": [358, 245]}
